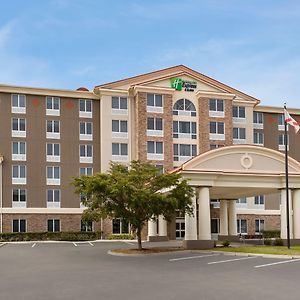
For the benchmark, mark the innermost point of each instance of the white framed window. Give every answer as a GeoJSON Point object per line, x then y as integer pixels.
{"type": "Point", "coordinates": [119, 105]}
{"type": "Point", "coordinates": [239, 114]}
{"type": "Point", "coordinates": [119, 128]}
{"type": "Point", "coordinates": [87, 171]}
{"type": "Point", "coordinates": [186, 130]}
{"type": "Point", "coordinates": [259, 201]}
{"type": "Point", "coordinates": [155, 103]}
{"type": "Point", "coordinates": [155, 150]}
{"type": "Point", "coordinates": [216, 131]}
{"type": "Point", "coordinates": [86, 154]}
{"type": "Point", "coordinates": [86, 226]}
{"type": "Point", "coordinates": [85, 108]}
{"type": "Point", "coordinates": [184, 107]}
{"type": "Point", "coordinates": [242, 226]}
{"type": "Point", "coordinates": [82, 198]}
{"type": "Point", "coordinates": [259, 226]}
{"type": "Point", "coordinates": [215, 146]}
{"type": "Point", "coordinates": [18, 174]}
{"type": "Point", "coordinates": [53, 225]}
{"type": "Point", "coordinates": [53, 152]}
{"type": "Point", "coordinates": [18, 104]}
{"type": "Point", "coordinates": [155, 127]}
{"type": "Point", "coordinates": [120, 226]}
{"type": "Point", "coordinates": [184, 152]}
{"type": "Point", "coordinates": [280, 118]}
{"type": "Point", "coordinates": [53, 129]}
{"type": "Point", "coordinates": [258, 138]}
{"type": "Point", "coordinates": [241, 202]}
{"type": "Point", "coordinates": [258, 120]}
{"type": "Point", "coordinates": [53, 198]}
{"type": "Point", "coordinates": [281, 142]}
{"type": "Point", "coordinates": [52, 106]}
{"type": "Point", "coordinates": [216, 107]}
{"type": "Point", "coordinates": [239, 135]}
{"type": "Point", "coordinates": [19, 197]}
{"type": "Point", "coordinates": [215, 203]}
{"type": "Point", "coordinates": [18, 127]}
{"type": "Point", "coordinates": [53, 175]}
{"type": "Point", "coordinates": [19, 151]}
{"type": "Point", "coordinates": [119, 151]}
{"type": "Point", "coordinates": [86, 131]}
{"type": "Point", "coordinates": [19, 225]}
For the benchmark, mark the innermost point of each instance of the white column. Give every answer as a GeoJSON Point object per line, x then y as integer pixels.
{"type": "Point", "coordinates": [152, 228]}
{"type": "Point", "coordinates": [191, 222]}
{"type": "Point", "coordinates": [223, 217]}
{"type": "Point", "coordinates": [283, 219]}
{"type": "Point", "coordinates": [296, 213]}
{"type": "Point", "coordinates": [162, 226]}
{"type": "Point", "coordinates": [204, 214]}
{"type": "Point", "coordinates": [232, 223]}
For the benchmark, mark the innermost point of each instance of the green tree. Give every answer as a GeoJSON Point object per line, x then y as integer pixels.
{"type": "Point", "coordinates": [137, 193]}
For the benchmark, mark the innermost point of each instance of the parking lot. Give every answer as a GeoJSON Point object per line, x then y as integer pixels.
{"type": "Point", "coordinates": [85, 270]}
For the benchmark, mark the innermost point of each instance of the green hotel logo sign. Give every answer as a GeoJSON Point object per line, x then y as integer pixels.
{"type": "Point", "coordinates": [179, 84]}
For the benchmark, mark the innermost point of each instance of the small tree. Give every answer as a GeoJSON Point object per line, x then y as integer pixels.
{"type": "Point", "coordinates": [138, 194]}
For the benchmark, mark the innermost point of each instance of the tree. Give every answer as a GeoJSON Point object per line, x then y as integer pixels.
{"type": "Point", "coordinates": [137, 193]}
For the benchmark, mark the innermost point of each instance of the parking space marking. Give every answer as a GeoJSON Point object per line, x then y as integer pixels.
{"type": "Point", "coordinates": [193, 257]}
{"type": "Point", "coordinates": [277, 263]}
{"type": "Point", "coordinates": [75, 244]}
{"type": "Point", "coordinates": [91, 244]}
{"type": "Point", "coordinates": [33, 245]}
{"type": "Point", "coordinates": [129, 243]}
{"type": "Point", "coordinates": [2, 244]}
{"type": "Point", "coordinates": [230, 260]}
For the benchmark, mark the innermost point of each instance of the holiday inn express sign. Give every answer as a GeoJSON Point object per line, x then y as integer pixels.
{"type": "Point", "coordinates": [178, 84]}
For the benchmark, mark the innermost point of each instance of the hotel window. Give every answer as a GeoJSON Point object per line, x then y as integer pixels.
{"type": "Point", "coordinates": [18, 174]}
{"type": "Point", "coordinates": [52, 106]}
{"type": "Point", "coordinates": [241, 226]}
{"type": "Point", "coordinates": [53, 152]}
{"type": "Point", "coordinates": [259, 200]}
{"type": "Point", "coordinates": [18, 127]}
{"type": "Point", "coordinates": [53, 175]}
{"type": "Point", "coordinates": [184, 129]}
{"type": "Point", "coordinates": [155, 150]}
{"type": "Point", "coordinates": [53, 198]}
{"type": "Point", "coordinates": [86, 226]}
{"type": "Point", "coordinates": [87, 171]}
{"type": "Point", "coordinates": [119, 152]}
{"type": "Point", "coordinates": [216, 108]}
{"type": "Point", "coordinates": [19, 151]}
{"type": "Point", "coordinates": [239, 135]}
{"type": "Point", "coordinates": [258, 138]}
{"type": "Point", "coordinates": [85, 108]}
{"type": "Point", "coordinates": [155, 126]}
{"type": "Point", "coordinates": [155, 103]}
{"type": "Point", "coordinates": [119, 128]}
{"type": "Point", "coordinates": [241, 202]}
{"type": "Point", "coordinates": [119, 105]}
{"type": "Point", "coordinates": [281, 142]}
{"type": "Point", "coordinates": [216, 130]}
{"type": "Point", "coordinates": [281, 122]}
{"type": "Point", "coordinates": [215, 146]}
{"type": "Point", "coordinates": [53, 225]}
{"type": "Point", "coordinates": [53, 129]}
{"type": "Point", "coordinates": [183, 152]}
{"type": "Point", "coordinates": [238, 113]}
{"type": "Point", "coordinates": [258, 121]}
{"type": "Point", "coordinates": [19, 225]}
{"type": "Point", "coordinates": [120, 226]}
{"type": "Point", "coordinates": [184, 107]}
{"type": "Point", "coordinates": [19, 198]}
{"type": "Point", "coordinates": [86, 153]}
{"type": "Point", "coordinates": [259, 226]}
{"type": "Point", "coordinates": [86, 131]}
{"type": "Point", "coordinates": [18, 104]}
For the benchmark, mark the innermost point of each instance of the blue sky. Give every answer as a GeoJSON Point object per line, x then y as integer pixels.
{"type": "Point", "coordinates": [253, 46]}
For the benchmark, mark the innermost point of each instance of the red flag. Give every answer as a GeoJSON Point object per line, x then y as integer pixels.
{"type": "Point", "coordinates": [289, 120]}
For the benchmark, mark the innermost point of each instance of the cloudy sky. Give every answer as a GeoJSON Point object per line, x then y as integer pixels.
{"type": "Point", "coordinates": [253, 46]}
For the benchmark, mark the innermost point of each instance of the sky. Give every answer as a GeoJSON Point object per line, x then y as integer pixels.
{"type": "Point", "coordinates": [253, 46]}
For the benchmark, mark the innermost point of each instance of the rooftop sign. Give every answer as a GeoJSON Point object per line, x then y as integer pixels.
{"type": "Point", "coordinates": [179, 84]}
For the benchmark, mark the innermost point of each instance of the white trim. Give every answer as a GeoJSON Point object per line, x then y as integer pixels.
{"type": "Point", "coordinates": [18, 133]}
{"type": "Point", "coordinates": [21, 157]}
{"type": "Point", "coordinates": [239, 120]}
{"type": "Point", "coordinates": [217, 114]}
{"type": "Point", "coordinates": [86, 160]}
{"type": "Point", "coordinates": [53, 158]}
{"type": "Point", "coordinates": [53, 204]}
{"type": "Point", "coordinates": [19, 204]}
{"type": "Point", "coordinates": [157, 109]}
{"type": "Point", "coordinates": [86, 137]}
{"type": "Point", "coordinates": [119, 158]}
{"type": "Point", "coordinates": [86, 114]}
{"type": "Point", "coordinates": [258, 126]}
{"type": "Point", "coordinates": [53, 135]}
{"type": "Point", "coordinates": [151, 132]}
{"type": "Point", "coordinates": [155, 156]}
{"type": "Point", "coordinates": [41, 210]}
{"type": "Point", "coordinates": [18, 181]}
{"type": "Point", "coordinates": [18, 110]}
{"type": "Point", "coordinates": [119, 111]}
{"type": "Point", "coordinates": [217, 136]}
{"type": "Point", "coordinates": [53, 112]}
{"type": "Point", "coordinates": [121, 135]}
{"type": "Point", "coordinates": [53, 181]}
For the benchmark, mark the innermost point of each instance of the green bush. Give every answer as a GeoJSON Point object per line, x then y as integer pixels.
{"type": "Point", "coordinates": [270, 234]}
{"type": "Point", "coordinates": [120, 237]}
{"type": "Point", "coordinates": [267, 242]}
{"type": "Point", "coordinates": [278, 242]}
{"type": "Point", "coordinates": [225, 243]}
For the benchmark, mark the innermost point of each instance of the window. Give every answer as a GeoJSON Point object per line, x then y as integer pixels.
{"type": "Point", "coordinates": [18, 127]}
{"type": "Point", "coordinates": [86, 226]}
{"type": "Point", "coordinates": [119, 151]}
{"type": "Point", "coordinates": [18, 104]}
{"type": "Point", "coordinates": [281, 122]}
{"type": "Point", "coordinates": [184, 129]}
{"type": "Point", "coordinates": [85, 108]}
{"type": "Point", "coordinates": [119, 128]}
{"type": "Point", "coordinates": [216, 108]}
{"type": "Point", "coordinates": [216, 130]}
{"type": "Point", "coordinates": [241, 226]}
{"type": "Point", "coordinates": [53, 225]}
{"type": "Point", "coordinates": [120, 226]}
{"type": "Point", "coordinates": [19, 151]}
{"type": "Point", "coordinates": [53, 175]}
{"type": "Point", "coordinates": [86, 131]}
{"type": "Point", "coordinates": [86, 171]}
{"type": "Point", "coordinates": [215, 146]}
{"type": "Point", "coordinates": [19, 225]}
{"type": "Point", "coordinates": [119, 105]}
{"type": "Point", "coordinates": [19, 198]}
{"type": "Point", "coordinates": [281, 142]}
{"type": "Point", "coordinates": [154, 126]}
{"type": "Point", "coordinates": [183, 152]}
{"type": "Point", "coordinates": [154, 150]}
{"type": "Point", "coordinates": [184, 107]}
{"type": "Point", "coordinates": [86, 153]}
{"type": "Point", "coordinates": [53, 198]}
{"type": "Point", "coordinates": [52, 106]}
{"type": "Point", "coordinates": [238, 112]}
{"type": "Point", "coordinates": [241, 202]}
{"type": "Point", "coordinates": [239, 135]}
{"type": "Point", "coordinates": [258, 120]}
{"type": "Point", "coordinates": [154, 103]}
{"type": "Point", "coordinates": [53, 129]}
{"type": "Point", "coordinates": [259, 200]}
{"type": "Point", "coordinates": [53, 152]}
{"type": "Point", "coordinates": [259, 226]}
{"type": "Point", "coordinates": [18, 174]}
{"type": "Point", "coordinates": [258, 138]}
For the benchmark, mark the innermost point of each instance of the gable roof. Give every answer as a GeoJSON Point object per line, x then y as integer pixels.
{"type": "Point", "coordinates": [171, 72]}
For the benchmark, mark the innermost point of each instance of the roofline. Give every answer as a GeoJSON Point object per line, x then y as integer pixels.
{"type": "Point", "coordinates": [276, 109]}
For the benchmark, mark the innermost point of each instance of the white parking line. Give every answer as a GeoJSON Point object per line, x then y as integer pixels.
{"type": "Point", "coordinates": [75, 244]}
{"type": "Point", "coordinates": [2, 244]}
{"type": "Point", "coordinates": [33, 245]}
{"type": "Point", "coordinates": [277, 263]}
{"type": "Point", "coordinates": [91, 244]}
{"type": "Point", "coordinates": [129, 243]}
{"type": "Point", "coordinates": [192, 257]}
{"type": "Point", "coordinates": [229, 260]}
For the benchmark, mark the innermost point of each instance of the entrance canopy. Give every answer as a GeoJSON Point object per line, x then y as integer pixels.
{"type": "Point", "coordinates": [240, 170]}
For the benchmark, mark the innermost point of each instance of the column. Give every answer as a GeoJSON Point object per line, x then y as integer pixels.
{"type": "Point", "coordinates": [283, 219]}
{"type": "Point", "coordinates": [223, 217]}
{"type": "Point", "coordinates": [162, 226]}
{"type": "Point", "coordinates": [232, 223]}
{"type": "Point", "coordinates": [296, 213]}
{"type": "Point", "coordinates": [204, 214]}
{"type": "Point", "coordinates": [191, 222]}
{"type": "Point", "coordinates": [152, 228]}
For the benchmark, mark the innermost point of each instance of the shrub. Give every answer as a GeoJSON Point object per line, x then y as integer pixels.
{"type": "Point", "coordinates": [267, 242]}
{"type": "Point", "coordinates": [270, 234]}
{"type": "Point", "coordinates": [120, 237]}
{"type": "Point", "coordinates": [278, 242]}
{"type": "Point", "coordinates": [225, 243]}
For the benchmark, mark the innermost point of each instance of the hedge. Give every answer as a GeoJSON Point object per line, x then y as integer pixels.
{"type": "Point", "coordinates": [120, 237]}
{"type": "Point", "coordinates": [270, 234]}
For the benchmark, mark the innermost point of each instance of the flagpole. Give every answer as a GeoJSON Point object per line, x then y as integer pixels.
{"type": "Point", "coordinates": [287, 183]}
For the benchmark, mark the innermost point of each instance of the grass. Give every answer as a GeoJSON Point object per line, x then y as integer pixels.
{"type": "Point", "coordinates": [277, 250]}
